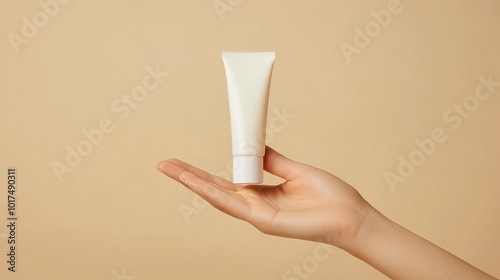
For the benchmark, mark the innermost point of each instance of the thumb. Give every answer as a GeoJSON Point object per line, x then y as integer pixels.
{"type": "Point", "coordinates": [281, 166]}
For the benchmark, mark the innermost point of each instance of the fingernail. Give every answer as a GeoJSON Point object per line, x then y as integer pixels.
{"type": "Point", "coordinates": [183, 178]}
{"type": "Point", "coordinates": [159, 166]}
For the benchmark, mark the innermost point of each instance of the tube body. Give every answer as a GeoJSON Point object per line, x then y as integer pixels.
{"type": "Point", "coordinates": [248, 77]}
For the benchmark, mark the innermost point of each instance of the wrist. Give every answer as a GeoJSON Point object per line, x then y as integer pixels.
{"type": "Point", "coordinates": [371, 224]}
{"type": "Point", "coordinates": [400, 254]}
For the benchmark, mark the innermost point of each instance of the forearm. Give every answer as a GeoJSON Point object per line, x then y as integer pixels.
{"type": "Point", "coordinates": [403, 255]}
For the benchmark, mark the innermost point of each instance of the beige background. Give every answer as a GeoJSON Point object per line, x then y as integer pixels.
{"type": "Point", "coordinates": [116, 217]}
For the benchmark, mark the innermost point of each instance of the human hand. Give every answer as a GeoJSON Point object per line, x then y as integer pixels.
{"type": "Point", "coordinates": [315, 205]}
{"type": "Point", "coordinates": [310, 204]}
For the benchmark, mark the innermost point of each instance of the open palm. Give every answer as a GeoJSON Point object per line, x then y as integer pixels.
{"type": "Point", "coordinates": [310, 204]}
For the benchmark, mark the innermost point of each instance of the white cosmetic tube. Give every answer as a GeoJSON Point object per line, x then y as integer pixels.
{"type": "Point", "coordinates": [248, 76]}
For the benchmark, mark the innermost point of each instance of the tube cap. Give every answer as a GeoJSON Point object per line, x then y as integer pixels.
{"type": "Point", "coordinates": [248, 170]}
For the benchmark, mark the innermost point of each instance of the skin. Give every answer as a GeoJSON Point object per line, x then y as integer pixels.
{"type": "Point", "coordinates": [312, 204]}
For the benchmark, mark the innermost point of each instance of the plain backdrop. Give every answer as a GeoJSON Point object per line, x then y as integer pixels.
{"type": "Point", "coordinates": [352, 95]}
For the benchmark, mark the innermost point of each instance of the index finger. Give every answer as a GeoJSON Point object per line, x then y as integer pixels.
{"type": "Point", "coordinates": [180, 166]}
